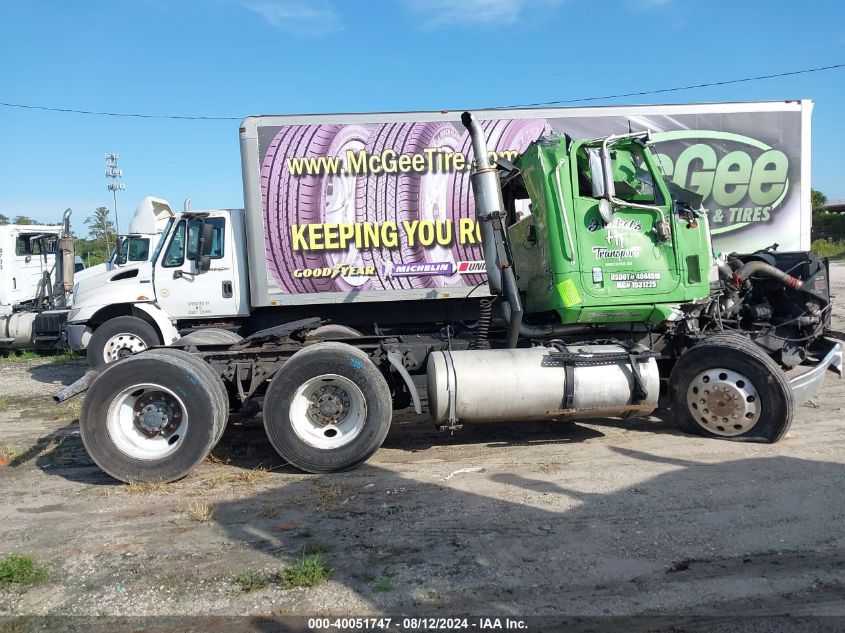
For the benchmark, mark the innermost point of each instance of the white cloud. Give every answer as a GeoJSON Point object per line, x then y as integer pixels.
{"type": "Point", "coordinates": [457, 12]}
{"type": "Point", "coordinates": [307, 17]}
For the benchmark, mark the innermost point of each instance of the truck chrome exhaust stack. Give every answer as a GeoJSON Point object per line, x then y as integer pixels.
{"type": "Point", "coordinates": [490, 213]}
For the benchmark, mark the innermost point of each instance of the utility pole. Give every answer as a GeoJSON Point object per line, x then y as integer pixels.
{"type": "Point", "coordinates": [113, 174]}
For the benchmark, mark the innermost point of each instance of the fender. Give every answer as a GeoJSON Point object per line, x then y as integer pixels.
{"type": "Point", "coordinates": [169, 333]}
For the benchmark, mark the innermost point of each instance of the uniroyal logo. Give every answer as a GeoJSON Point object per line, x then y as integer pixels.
{"type": "Point", "coordinates": [472, 268]}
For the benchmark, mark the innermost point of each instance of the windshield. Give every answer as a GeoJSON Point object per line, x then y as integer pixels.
{"type": "Point", "coordinates": [161, 239]}
{"type": "Point", "coordinates": [632, 177]}
{"type": "Point", "coordinates": [134, 248]}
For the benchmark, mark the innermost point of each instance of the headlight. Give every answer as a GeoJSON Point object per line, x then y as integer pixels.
{"type": "Point", "coordinates": [72, 314]}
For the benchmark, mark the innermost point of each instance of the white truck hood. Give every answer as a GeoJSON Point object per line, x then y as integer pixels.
{"type": "Point", "coordinates": [131, 283]}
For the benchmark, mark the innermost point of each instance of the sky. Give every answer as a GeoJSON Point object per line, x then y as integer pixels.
{"type": "Point", "coordinates": [232, 58]}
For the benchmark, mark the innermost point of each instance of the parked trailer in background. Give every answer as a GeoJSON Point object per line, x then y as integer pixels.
{"type": "Point", "coordinates": [562, 280]}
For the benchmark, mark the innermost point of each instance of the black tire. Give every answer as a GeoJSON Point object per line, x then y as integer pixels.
{"type": "Point", "coordinates": [193, 443]}
{"type": "Point", "coordinates": [208, 336]}
{"type": "Point", "coordinates": [131, 327]}
{"type": "Point", "coordinates": [212, 380]}
{"type": "Point", "coordinates": [306, 365]}
{"type": "Point", "coordinates": [770, 396]}
{"type": "Point", "coordinates": [333, 330]}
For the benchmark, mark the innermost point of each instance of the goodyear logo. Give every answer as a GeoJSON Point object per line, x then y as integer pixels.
{"type": "Point", "coordinates": [743, 181]}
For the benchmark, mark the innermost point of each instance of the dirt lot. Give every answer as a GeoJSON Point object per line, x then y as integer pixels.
{"type": "Point", "coordinates": [543, 518]}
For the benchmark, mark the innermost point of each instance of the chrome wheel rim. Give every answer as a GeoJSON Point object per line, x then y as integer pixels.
{"type": "Point", "coordinates": [328, 411]}
{"type": "Point", "coordinates": [147, 421]}
{"type": "Point", "coordinates": [724, 402]}
{"type": "Point", "coordinates": [122, 345]}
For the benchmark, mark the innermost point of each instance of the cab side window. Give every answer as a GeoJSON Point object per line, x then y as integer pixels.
{"type": "Point", "coordinates": [194, 232]}
{"type": "Point", "coordinates": [175, 254]}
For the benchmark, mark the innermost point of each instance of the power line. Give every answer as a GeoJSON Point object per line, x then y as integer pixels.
{"type": "Point", "coordinates": [675, 89]}
{"type": "Point", "coordinates": [641, 93]}
{"type": "Point", "coordinates": [121, 114]}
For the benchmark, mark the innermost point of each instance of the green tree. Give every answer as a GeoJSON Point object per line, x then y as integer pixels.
{"type": "Point", "coordinates": [23, 219]}
{"type": "Point", "coordinates": [101, 228]}
{"type": "Point", "coordinates": [3, 219]}
{"type": "Point", "coordinates": [818, 201]}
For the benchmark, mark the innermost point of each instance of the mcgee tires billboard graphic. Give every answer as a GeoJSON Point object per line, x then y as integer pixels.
{"type": "Point", "coordinates": [364, 206]}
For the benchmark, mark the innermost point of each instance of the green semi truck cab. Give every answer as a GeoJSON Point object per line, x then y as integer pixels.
{"type": "Point", "coordinates": [589, 261]}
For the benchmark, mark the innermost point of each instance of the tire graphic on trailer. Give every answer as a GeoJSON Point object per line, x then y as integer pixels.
{"type": "Point", "coordinates": [339, 195]}
{"type": "Point", "coordinates": [501, 134]}
{"type": "Point", "coordinates": [288, 200]}
{"type": "Point", "coordinates": [392, 198]}
{"type": "Point", "coordinates": [433, 200]}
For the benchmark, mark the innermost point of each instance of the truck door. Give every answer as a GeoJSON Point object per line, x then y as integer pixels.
{"type": "Point", "coordinates": [622, 260]}
{"type": "Point", "coordinates": [29, 264]}
{"type": "Point", "coordinates": [182, 289]}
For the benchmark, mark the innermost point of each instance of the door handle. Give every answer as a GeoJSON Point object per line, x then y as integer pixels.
{"type": "Point", "coordinates": [227, 290]}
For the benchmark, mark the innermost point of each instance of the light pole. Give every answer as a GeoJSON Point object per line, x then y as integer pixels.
{"type": "Point", "coordinates": [114, 173]}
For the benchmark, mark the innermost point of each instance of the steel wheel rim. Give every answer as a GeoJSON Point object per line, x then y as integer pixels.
{"type": "Point", "coordinates": [122, 345]}
{"type": "Point", "coordinates": [724, 402]}
{"type": "Point", "coordinates": [328, 411]}
{"type": "Point", "coordinates": [134, 414]}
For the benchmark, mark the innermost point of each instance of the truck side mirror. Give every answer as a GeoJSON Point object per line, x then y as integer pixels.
{"type": "Point", "coordinates": [206, 247]}
{"type": "Point", "coordinates": [119, 255]}
{"type": "Point", "coordinates": [596, 172]}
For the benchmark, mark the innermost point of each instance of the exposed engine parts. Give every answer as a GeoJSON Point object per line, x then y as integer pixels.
{"type": "Point", "coordinates": [780, 300]}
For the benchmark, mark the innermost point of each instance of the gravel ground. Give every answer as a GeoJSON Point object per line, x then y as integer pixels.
{"type": "Point", "coordinates": [557, 518]}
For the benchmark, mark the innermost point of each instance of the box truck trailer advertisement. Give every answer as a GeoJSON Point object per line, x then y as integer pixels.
{"type": "Point", "coordinates": [383, 202]}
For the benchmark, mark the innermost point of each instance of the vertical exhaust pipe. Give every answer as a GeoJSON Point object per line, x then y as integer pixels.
{"type": "Point", "coordinates": [490, 213]}
{"type": "Point", "coordinates": [65, 264]}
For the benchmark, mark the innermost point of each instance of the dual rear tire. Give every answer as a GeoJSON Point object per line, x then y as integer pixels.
{"type": "Point", "coordinates": [154, 417]}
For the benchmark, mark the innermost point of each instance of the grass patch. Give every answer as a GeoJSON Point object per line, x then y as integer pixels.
{"type": "Point", "coordinates": [199, 511]}
{"type": "Point", "coordinates": [146, 488]}
{"type": "Point", "coordinates": [305, 533]}
{"type": "Point", "coordinates": [249, 580]}
{"type": "Point", "coordinates": [4, 400]}
{"type": "Point", "coordinates": [21, 356]}
{"type": "Point", "coordinates": [828, 248]}
{"type": "Point", "coordinates": [9, 454]}
{"type": "Point", "coordinates": [384, 585]}
{"type": "Point", "coordinates": [26, 355]}
{"type": "Point", "coordinates": [20, 624]}
{"type": "Point", "coordinates": [329, 497]}
{"type": "Point", "coordinates": [249, 477]}
{"type": "Point", "coordinates": [315, 547]}
{"type": "Point", "coordinates": [22, 569]}
{"type": "Point", "coordinates": [310, 571]}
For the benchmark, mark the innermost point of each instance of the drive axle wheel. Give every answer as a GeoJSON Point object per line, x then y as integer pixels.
{"type": "Point", "coordinates": [328, 408]}
{"type": "Point", "coordinates": [153, 417]}
{"type": "Point", "coordinates": [727, 387]}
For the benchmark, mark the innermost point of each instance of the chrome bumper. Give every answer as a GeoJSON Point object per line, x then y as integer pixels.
{"type": "Point", "coordinates": [807, 384]}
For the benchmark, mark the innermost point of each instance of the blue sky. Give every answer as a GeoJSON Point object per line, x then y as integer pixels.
{"type": "Point", "coordinates": [240, 57]}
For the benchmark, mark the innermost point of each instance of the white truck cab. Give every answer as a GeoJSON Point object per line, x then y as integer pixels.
{"type": "Point", "coordinates": [195, 273]}
{"type": "Point", "coordinates": [27, 260]}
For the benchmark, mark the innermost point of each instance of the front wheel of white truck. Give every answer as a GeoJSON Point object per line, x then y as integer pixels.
{"type": "Point", "coordinates": [328, 408]}
{"type": "Point", "coordinates": [152, 417]}
{"type": "Point", "coordinates": [118, 338]}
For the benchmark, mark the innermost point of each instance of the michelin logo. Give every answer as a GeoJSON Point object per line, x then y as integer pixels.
{"type": "Point", "coordinates": [423, 269]}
